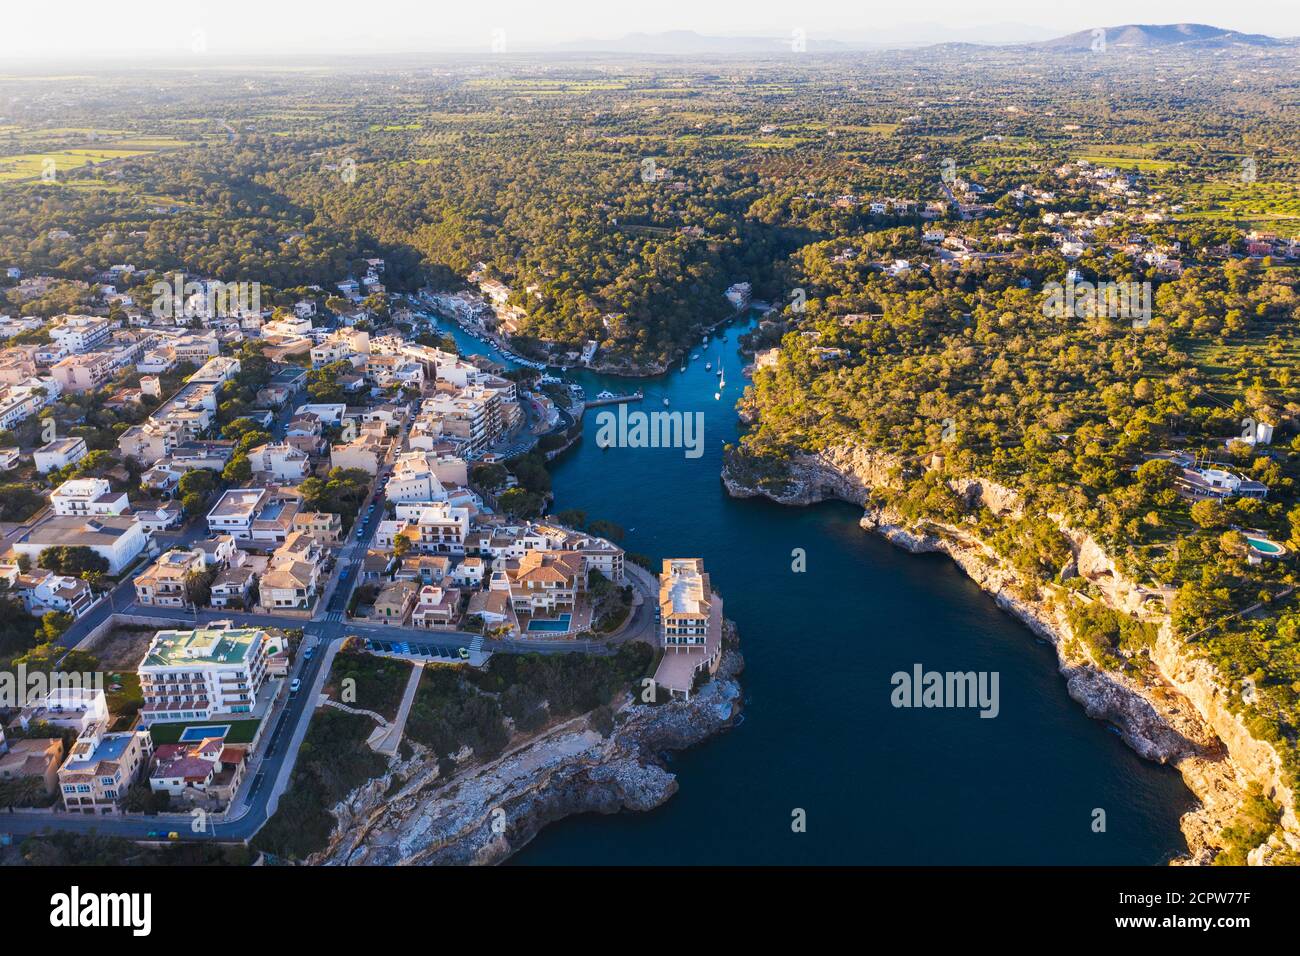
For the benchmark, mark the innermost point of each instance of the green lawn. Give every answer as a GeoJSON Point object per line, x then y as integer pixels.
{"type": "Point", "coordinates": [241, 731]}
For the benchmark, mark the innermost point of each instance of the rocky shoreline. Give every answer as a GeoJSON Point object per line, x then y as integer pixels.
{"type": "Point", "coordinates": [1178, 718]}
{"type": "Point", "coordinates": [486, 812]}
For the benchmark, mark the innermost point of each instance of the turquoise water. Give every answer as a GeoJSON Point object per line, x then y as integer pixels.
{"type": "Point", "coordinates": [1263, 545]}
{"type": "Point", "coordinates": [877, 784]}
{"type": "Point", "coordinates": [560, 623]}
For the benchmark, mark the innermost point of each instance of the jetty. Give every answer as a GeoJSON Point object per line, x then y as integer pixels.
{"type": "Point", "coordinates": [604, 398]}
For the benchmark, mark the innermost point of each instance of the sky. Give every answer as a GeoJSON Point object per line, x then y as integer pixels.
{"type": "Point", "coordinates": [130, 28]}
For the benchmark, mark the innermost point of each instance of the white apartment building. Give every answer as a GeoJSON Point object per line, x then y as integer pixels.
{"type": "Point", "coordinates": [80, 333]}
{"type": "Point", "coordinates": [235, 512]}
{"type": "Point", "coordinates": [685, 600]}
{"type": "Point", "coordinates": [281, 461]}
{"type": "Point", "coordinates": [118, 539]}
{"type": "Point", "coordinates": [194, 675]}
{"type": "Point", "coordinates": [443, 529]}
{"type": "Point", "coordinates": [59, 454]}
{"type": "Point", "coordinates": [88, 496]}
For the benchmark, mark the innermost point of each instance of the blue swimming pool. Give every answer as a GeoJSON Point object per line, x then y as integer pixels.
{"type": "Point", "coordinates": [560, 623]}
{"type": "Point", "coordinates": [194, 734]}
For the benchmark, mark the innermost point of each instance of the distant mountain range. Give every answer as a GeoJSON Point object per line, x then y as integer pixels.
{"type": "Point", "coordinates": [688, 42]}
{"type": "Point", "coordinates": [1133, 36]}
{"type": "Point", "coordinates": [1146, 36]}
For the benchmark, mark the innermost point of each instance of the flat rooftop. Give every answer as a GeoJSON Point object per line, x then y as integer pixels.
{"type": "Point", "coordinates": [111, 747]}
{"type": "Point", "coordinates": [201, 646]}
{"type": "Point", "coordinates": [74, 531]}
{"type": "Point", "coordinates": [237, 502]}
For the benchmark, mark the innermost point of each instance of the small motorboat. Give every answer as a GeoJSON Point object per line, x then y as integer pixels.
{"type": "Point", "coordinates": [695, 356]}
{"type": "Point", "coordinates": [665, 401]}
{"type": "Point", "coordinates": [717, 396]}
{"type": "Point", "coordinates": [708, 366]}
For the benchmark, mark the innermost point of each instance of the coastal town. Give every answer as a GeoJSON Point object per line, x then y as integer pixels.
{"type": "Point", "coordinates": [869, 446]}
{"type": "Point", "coordinates": [276, 484]}
{"type": "Point", "coordinates": [282, 483]}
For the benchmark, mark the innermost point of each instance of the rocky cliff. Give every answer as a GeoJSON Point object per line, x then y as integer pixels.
{"type": "Point", "coordinates": [1178, 717]}
{"type": "Point", "coordinates": [486, 812]}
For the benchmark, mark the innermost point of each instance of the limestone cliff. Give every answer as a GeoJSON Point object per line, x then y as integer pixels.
{"type": "Point", "coordinates": [1178, 717]}
{"type": "Point", "coordinates": [486, 812]}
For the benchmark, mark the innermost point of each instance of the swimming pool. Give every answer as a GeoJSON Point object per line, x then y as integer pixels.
{"type": "Point", "coordinates": [1265, 546]}
{"type": "Point", "coordinates": [560, 623]}
{"type": "Point", "coordinates": [194, 734]}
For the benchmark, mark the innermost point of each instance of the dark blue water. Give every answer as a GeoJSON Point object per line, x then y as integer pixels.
{"type": "Point", "coordinates": [878, 784]}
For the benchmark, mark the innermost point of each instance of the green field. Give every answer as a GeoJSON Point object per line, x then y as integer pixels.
{"type": "Point", "coordinates": [1139, 163]}
{"type": "Point", "coordinates": [32, 165]}
{"type": "Point", "coordinates": [1240, 202]}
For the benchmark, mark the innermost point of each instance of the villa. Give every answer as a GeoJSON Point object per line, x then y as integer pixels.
{"type": "Point", "coordinates": [293, 575]}
{"type": "Point", "coordinates": [395, 601]}
{"type": "Point", "coordinates": [163, 584]}
{"type": "Point", "coordinates": [546, 581]}
{"type": "Point", "coordinates": [101, 768]}
{"type": "Point", "coordinates": [88, 496]}
{"type": "Point", "coordinates": [436, 607]}
{"type": "Point", "coordinates": [209, 770]}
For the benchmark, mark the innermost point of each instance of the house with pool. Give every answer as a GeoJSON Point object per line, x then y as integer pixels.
{"type": "Point", "coordinates": [1262, 548]}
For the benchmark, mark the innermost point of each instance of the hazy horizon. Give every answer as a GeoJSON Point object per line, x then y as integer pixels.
{"type": "Point", "coordinates": [242, 27]}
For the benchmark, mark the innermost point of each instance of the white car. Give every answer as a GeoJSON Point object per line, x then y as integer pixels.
{"type": "Point", "coordinates": [295, 685]}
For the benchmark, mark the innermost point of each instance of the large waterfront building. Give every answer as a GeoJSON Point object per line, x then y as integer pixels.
{"type": "Point", "coordinates": [684, 599]}
{"type": "Point", "coordinates": [194, 675]}
{"type": "Point", "coordinates": [690, 625]}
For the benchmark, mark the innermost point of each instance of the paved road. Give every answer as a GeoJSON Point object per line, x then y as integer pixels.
{"type": "Point", "coordinates": [329, 625]}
